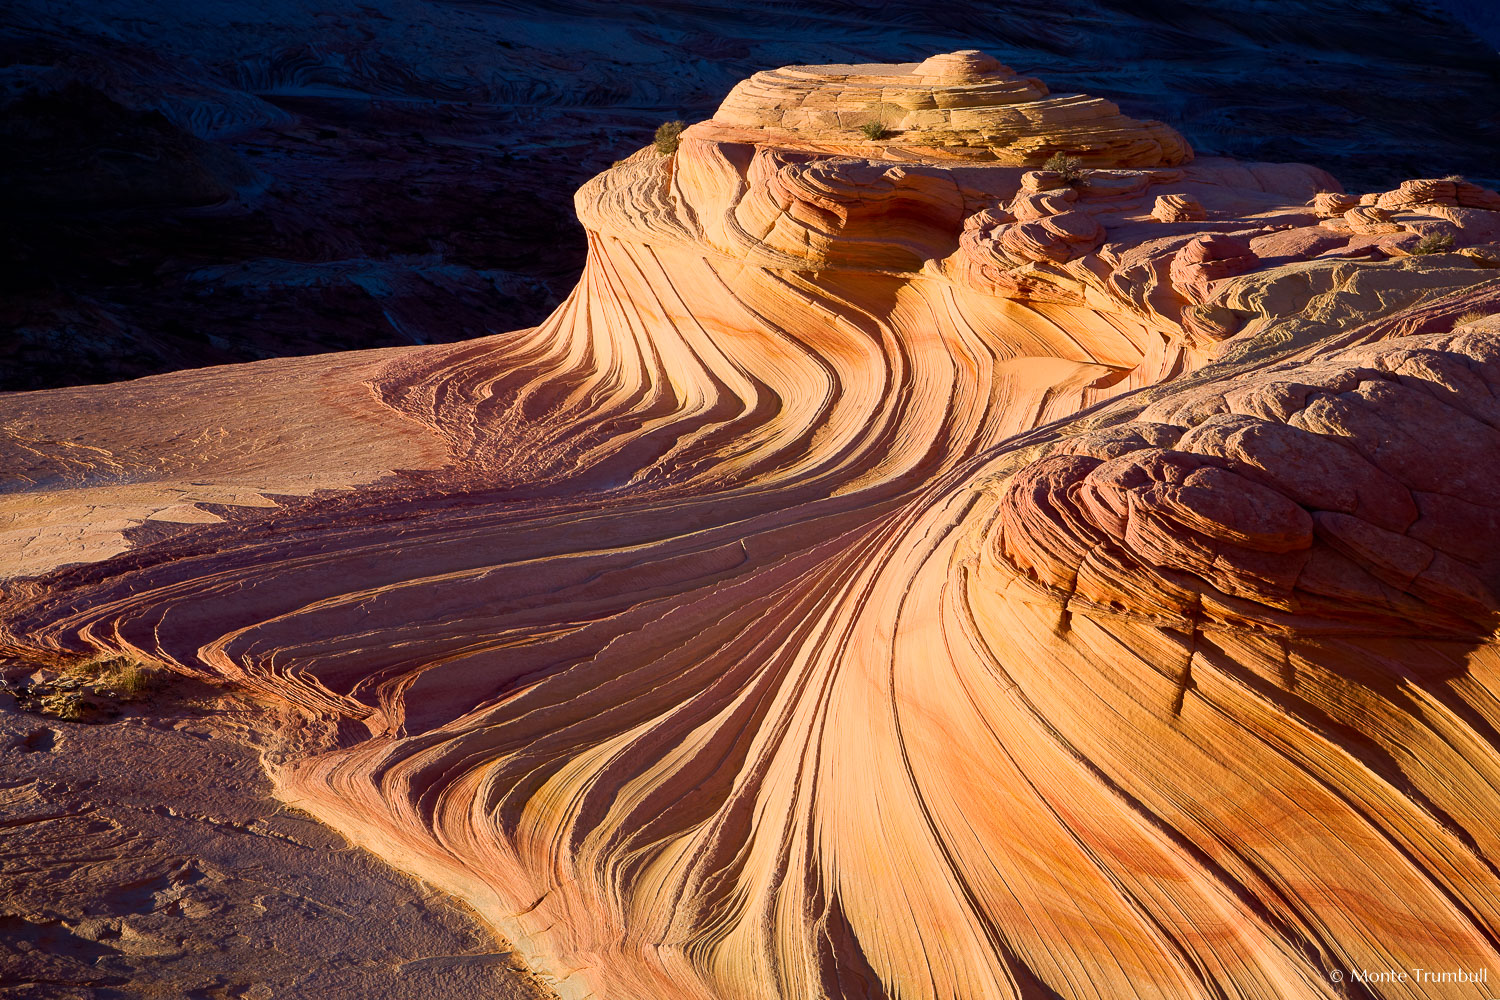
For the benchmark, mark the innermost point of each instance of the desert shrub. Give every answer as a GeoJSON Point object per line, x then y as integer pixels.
{"type": "Point", "coordinates": [667, 136]}
{"type": "Point", "coordinates": [69, 706]}
{"type": "Point", "coordinates": [1433, 243]}
{"type": "Point", "coordinates": [87, 689]}
{"type": "Point", "coordinates": [875, 130]}
{"type": "Point", "coordinates": [1069, 168]}
{"type": "Point", "coordinates": [1472, 316]}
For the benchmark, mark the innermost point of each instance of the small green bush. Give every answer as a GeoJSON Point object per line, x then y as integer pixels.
{"type": "Point", "coordinates": [667, 136]}
{"type": "Point", "coordinates": [1433, 243]}
{"type": "Point", "coordinates": [1068, 168]}
{"type": "Point", "coordinates": [875, 131]}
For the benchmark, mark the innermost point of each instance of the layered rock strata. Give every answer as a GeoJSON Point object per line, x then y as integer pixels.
{"type": "Point", "coordinates": [896, 571]}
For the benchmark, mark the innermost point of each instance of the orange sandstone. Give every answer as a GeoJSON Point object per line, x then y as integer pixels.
{"type": "Point", "coordinates": [893, 572]}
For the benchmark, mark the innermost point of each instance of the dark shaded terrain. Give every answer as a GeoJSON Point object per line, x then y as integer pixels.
{"type": "Point", "coordinates": [188, 184]}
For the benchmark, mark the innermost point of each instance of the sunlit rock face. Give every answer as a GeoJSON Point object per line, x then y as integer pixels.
{"type": "Point", "coordinates": [958, 105]}
{"type": "Point", "coordinates": [897, 570]}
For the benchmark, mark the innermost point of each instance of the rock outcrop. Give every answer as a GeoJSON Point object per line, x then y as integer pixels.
{"type": "Point", "coordinates": [183, 188]}
{"type": "Point", "coordinates": [960, 105]}
{"type": "Point", "coordinates": [895, 571]}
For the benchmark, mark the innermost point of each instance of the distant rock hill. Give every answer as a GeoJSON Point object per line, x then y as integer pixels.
{"type": "Point", "coordinates": [1479, 16]}
{"type": "Point", "coordinates": [247, 180]}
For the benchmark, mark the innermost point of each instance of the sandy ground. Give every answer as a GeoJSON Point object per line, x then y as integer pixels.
{"type": "Point", "coordinates": [144, 857]}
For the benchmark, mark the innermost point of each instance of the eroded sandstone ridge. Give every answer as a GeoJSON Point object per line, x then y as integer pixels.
{"type": "Point", "coordinates": [896, 571]}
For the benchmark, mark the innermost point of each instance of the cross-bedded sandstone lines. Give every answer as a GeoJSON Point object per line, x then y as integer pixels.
{"type": "Point", "coordinates": [1288, 681]}
{"type": "Point", "coordinates": [893, 572]}
{"type": "Point", "coordinates": [1344, 489]}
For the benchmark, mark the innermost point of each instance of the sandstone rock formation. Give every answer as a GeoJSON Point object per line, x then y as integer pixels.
{"type": "Point", "coordinates": [893, 572]}
{"type": "Point", "coordinates": [192, 184]}
{"type": "Point", "coordinates": [957, 105]}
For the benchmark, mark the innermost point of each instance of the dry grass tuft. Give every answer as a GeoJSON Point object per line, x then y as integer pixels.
{"type": "Point", "coordinates": [76, 689]}
{"type": "Point", "coordinates": [124, 678]}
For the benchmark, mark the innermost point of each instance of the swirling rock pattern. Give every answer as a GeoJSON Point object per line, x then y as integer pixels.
{"type": "Point", "coordinates": [891, 573]}
{"type": "Point", "coordinates": [960, 104]}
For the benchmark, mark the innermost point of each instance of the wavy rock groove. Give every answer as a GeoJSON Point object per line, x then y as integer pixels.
{"type": "Point", "coordinates": [898, 569]}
